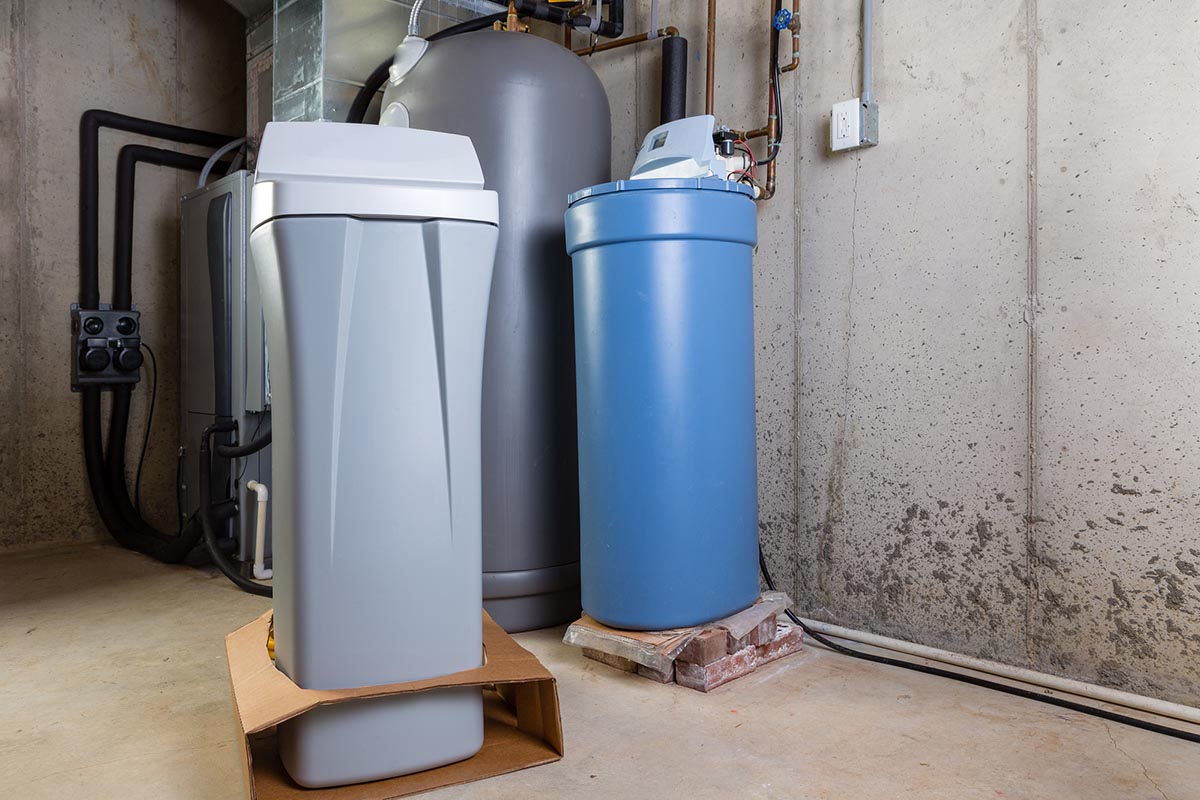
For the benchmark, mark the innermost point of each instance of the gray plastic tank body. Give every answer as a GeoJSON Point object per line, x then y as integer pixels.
{"type": "Point", "coordinates": [539, 119]}
{"type": "Point", "coordinates": [375, 308]}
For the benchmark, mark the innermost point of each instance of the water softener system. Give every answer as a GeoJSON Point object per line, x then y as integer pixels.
{"type": "Point", "coordinates": [664, 341]}
{"type": "Point", "coordinates": [374, 249]}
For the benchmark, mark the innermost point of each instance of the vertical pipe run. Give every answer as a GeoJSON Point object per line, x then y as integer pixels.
{"type": "Point", "coordinates": [673, 104]}
{"type": "Point", "coordinates": [868, 68]}
{"type": "Point", "coordinates": [795, 28]}
{"type": "Point", "coordinates": [773, 110]}
{"type": "Point", "coordinates": [711, 61]}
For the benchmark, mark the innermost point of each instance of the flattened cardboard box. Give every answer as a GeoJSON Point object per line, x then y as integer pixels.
{"type": "Point", "coordinates": [521, 729]}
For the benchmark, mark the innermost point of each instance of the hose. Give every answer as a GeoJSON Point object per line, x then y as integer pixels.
{"type": "Point", "coordinates": [215, 157]}
{"type": "Point", "coordinates": [974, 680]}
{"type": "Point", "coordinates": [211, 514]}
{"type": "Point", "coordinates": [379, 75]}
{"type": "Point", "coordinates": [242, 450]}
{"type": "Point", "coordinates": [414, 27]}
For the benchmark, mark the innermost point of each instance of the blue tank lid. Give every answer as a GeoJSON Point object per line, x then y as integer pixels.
{"type": "Point", "coordinates": [633, 185]}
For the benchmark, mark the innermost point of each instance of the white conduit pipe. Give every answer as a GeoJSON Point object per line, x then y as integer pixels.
{"type": "Point", "coordinates": [260, 531]}
{"type": "Point", "coordinates": [1051, 682]}
{"type": "Point", "coordinates": [868, 45]}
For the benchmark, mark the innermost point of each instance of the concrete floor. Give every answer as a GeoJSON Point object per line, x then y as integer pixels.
{"type": "Point", "coordinates": [113, 685]}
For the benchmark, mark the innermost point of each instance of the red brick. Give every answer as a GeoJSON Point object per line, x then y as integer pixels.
{"type": "Point", "coordinates": [765, 632]}
{"type": "Point", "coordinates": [786, 642]}
{"type": "Point", "coordinates": [723, 670]}
{"type": "Point", "coordinates": [617, 662]}
{"type": "Point", "coordinates": [705, 648]}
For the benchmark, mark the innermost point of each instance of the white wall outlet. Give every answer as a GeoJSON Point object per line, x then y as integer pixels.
{"type": "Point", "coordinates": [853, 124]}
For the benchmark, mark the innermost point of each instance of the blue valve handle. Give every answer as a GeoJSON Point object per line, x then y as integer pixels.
{"type": "Point", "coordinates": [783, 18]}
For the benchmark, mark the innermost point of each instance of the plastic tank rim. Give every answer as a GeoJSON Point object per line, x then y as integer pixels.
{"type": "Point", "coordinates": [634, 184]}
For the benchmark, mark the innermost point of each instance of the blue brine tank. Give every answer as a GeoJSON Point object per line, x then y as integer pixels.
{"type": "Point", "coordinates": [664, 343]}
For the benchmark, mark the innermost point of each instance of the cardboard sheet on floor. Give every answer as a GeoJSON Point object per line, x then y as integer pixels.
{"type": "Point", "coordinates": [522, 727]}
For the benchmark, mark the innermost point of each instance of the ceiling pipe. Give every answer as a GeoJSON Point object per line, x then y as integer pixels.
{"type": "Point", "coordinates": [613, 44]}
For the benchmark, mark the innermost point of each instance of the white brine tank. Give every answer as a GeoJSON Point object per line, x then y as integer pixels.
{"type": "Point", "coordinates": [374, 248]}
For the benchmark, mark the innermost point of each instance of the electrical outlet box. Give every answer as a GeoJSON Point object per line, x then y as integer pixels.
{"type": "Point", "coordinates": [853, 124]}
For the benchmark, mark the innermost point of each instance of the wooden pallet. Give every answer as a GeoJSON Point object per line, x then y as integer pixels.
{"type": "Point", "coordinates": [700, 658]}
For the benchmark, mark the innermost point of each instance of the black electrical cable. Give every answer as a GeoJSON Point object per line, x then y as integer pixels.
{"type": "Point", "coordinates": [1016, 691]}
{"type": "Point", "coordinates": [379, 75]}
{"type": "Point", "coordinates": [137, 483]}
{"type": "Point", "coordinates": [774, 147]}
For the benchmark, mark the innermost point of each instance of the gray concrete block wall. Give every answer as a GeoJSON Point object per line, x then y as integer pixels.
{"type": "Point", "coordinates": [998, 337]}
{"type": "Point", "coordinates": [1116, 546]}
{"type": "Point", "coordinates": [177, 61]}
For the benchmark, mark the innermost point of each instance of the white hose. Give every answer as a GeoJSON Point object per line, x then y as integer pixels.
{"type": "Point", "coordinates": [413, 28]}
{"type": "Point", "coordinates": [215, 157]}
{"type": "Point", "coordinates": [1048, 682]}
{"type": "Point", "coordinates": [260, 530]}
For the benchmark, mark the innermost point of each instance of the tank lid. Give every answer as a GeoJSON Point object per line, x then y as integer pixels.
{"type": "Point", "coordinates": [331, 168]}
{"type": "Point", "coordinates": [633, 185]}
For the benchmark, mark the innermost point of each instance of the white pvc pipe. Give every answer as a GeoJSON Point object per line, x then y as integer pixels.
{"type": "Point", "coordinates": [260, 530]}
{"type": "Point", "coordinates": [1048, 682]}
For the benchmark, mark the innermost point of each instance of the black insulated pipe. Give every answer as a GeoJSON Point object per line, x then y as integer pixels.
{"type": "Point", "coordinates": [120, 518]}
{"type": "Point", "coordinates": [673, 104]}
{"type": "Point", "coordinates": [213, 513]}
{"type": "Point", "coordinates": [89, 182]}
{"type": "Point", "coordinates": [248, 449]}
{"type": "Point", "coordinates": [115, 484]}
{"type": "Point", "coordinates": [130, 156]}
{"type": "Point", "coordinates": [169, 549]}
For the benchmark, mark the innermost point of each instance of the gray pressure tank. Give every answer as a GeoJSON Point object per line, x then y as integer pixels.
{"type": "Point", "coordinates": [539, 119]}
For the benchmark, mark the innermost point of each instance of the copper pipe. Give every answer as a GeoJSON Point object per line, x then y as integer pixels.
{"type": "Point", "coordinates": [711, 62]}
{"type": "Point", "coordinates": [773, 112]}
{"type": "Point", "coordinates": [566, 36]}
{"type": "Point", "coordinates": [612, 44]}
{"type": "Point", "coordinates": [795, 29]}
{"type": "Point", "coordinates": [746, 136]}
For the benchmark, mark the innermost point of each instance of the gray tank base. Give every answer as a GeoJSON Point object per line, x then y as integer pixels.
{"type": "Point", "coordinates": [328, 748]}
{"type": "Point", "coordinates": [531, 599]}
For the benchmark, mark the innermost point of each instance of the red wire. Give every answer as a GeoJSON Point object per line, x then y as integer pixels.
{"type": "Point", "coordinates": [750, 155]}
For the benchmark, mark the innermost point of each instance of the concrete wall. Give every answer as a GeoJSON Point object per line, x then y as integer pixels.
{"type": "Point", "coordinates": [176, 61]}
{"type": "Point", "coordinates": [976, 342]}
{"type": "Point", "coordinates": [997, 334]}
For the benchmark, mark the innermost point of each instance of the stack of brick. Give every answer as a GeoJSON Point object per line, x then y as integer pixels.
{"type": "Point", "coordinates": [714, 657]}
{"type": "Point", "coordinates": [701, 658]}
